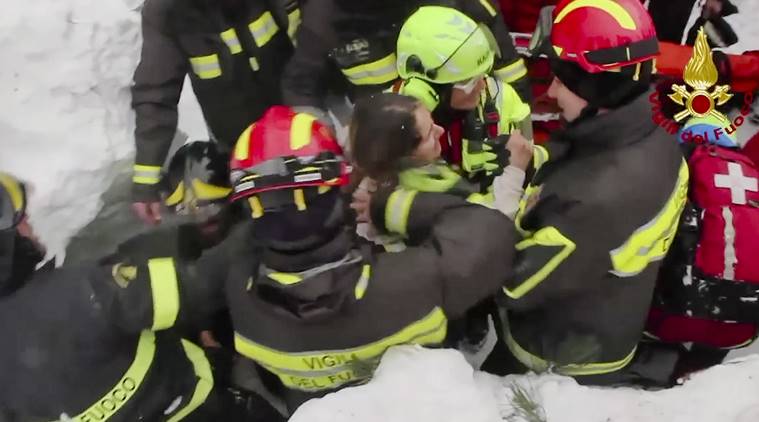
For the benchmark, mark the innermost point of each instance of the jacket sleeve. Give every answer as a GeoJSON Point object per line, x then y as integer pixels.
{"type": "Point", "coordinates": [157, 87]}
{"type": "Point", "coordinates": [473, 246]}
{"type": "Point", "coordinates": [162, 292]}
{"type": "Point", "coordinates": [509, 67]}
{"type": "Point", "coordinates": [560, 256]}
{"type": "Point", "coordinates": [306, 75]}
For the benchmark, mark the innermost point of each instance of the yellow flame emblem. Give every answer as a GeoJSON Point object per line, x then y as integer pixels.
{"type": "Point", "coordinates": [700, 74]}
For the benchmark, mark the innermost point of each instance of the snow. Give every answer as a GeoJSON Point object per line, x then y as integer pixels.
{"type": "Point", "coordinates": [426, 385]}
{"type": "Point", "coordinates": [66, 124]}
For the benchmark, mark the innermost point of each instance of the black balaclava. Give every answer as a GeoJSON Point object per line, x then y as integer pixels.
{"type": "Point", "coordinates": [601, 90]}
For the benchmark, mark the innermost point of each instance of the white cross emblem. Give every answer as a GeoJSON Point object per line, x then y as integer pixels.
{"type": "Point", "coordinates": [736, 182]}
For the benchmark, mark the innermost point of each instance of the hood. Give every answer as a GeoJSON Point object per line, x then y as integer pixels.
{"type": "Point", "coordinates": [316, 293]}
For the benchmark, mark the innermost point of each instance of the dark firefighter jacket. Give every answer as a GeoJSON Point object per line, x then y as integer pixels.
{"type": "Point", "coordinates": [321, 320]}
{"type": "Point", "coordinates": [596, 220]}
{"type": "Point", "coordinates": [234, 60]}
{"type": "Point", "coordinates": [65, 350]}
{"type": "Point", "coordinates": [356, 55]}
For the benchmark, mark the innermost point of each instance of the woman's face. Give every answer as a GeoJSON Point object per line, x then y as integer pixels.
{"type": "Point", "coordinates": [429, 147]}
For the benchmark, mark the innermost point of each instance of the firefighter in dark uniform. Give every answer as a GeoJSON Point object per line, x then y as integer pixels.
{"type": "Point", "coordinates": [599, 216]}
{"type": "Point", "coordinates": [234, 52]}
{"type": "Point", "coordinates": [349, 46]}
{"type": "Point", "coordinates": [67, 353]}
{"type": "Point", "coordinates": [341, 304]}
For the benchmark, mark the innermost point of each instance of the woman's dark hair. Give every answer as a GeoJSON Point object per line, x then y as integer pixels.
{"type": "Point", "coordinates": [383, 132]}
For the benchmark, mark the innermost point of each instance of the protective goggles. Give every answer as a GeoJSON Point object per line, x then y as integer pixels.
{"type": "Point", "coordinates": [469, 85]}
{"type": "Point", "coordinates": [326, 169]}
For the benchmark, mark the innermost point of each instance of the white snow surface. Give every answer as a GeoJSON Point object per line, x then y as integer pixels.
{"type": "Point", "coordinates": [425, 385]}
{"type": "Point", "coordinates": [66, 120]}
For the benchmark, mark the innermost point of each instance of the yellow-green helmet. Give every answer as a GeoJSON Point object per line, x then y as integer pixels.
{"type": "Point", "coordinates": [443, 45]}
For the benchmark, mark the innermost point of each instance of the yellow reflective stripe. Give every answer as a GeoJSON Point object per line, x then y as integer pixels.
{"type": "Point", "coordinates": [205, 380]}
{"type": "Point", "coordinates": [363, 282]}
{"type": "Point", "coordinates": [254, 64]}
{"type": "Point", "coordinates": [397, 209]}
{"type": "Point", "coordinates": [538, 364]}
{"type": "Point", "coordinates": [651, 241]}
{"type": "Point", "coordinates": [622, 16]}
{"type": "Point", "coordinates": [208, 192]}
{"type": "Point", "coordinates": [511, 72]}
{"type": "Point", "coordinates": [374, 73]}
{"type": "Point", "coordinates": [489, 7]}
{"type": "Point", "coordinates": [14, 189]}
{"type": "Point", "coordinates": [546, 236]}
{"type": "Point", "coordinates": [539, 156]}
{"type": "Point", "coordinates": [326, 369]}
{"type": "Point", "coordinates": [528, 193]}
{"type": "Point", "coordinates": [176, 196]}
{"type": "Point", "coordinates": [230, 39]}
{"type": "Point", "coordinates": [163, 284]}
{"type": "Point", "coordinates": [256, 209]}
{"type": "Point", "coordinates": [146, 175]}
{"type": "Point", "coordinates": [242, 147]}
{"type": "Point", "coordinates": [285, 278]}
{"type": "Point", "coordinates": [293, 22]}
{"type": "Point", "coordinates": [300, 130]}
{"type": "Point", "coordinates": [263, 29]}
{"type": "Point", "coordinates": [299, 199]}
{"type": "Point", "coordinates": [120, 394]}
{"type": "Point", "coordinates": [206, 67]}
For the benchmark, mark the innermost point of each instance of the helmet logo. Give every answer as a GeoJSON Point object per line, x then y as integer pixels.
{"type": "Point", "coordinates": [700, 74]}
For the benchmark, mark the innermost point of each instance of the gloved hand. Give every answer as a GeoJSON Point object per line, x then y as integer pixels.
{"type": "Point", "coordinates": [489, 156]}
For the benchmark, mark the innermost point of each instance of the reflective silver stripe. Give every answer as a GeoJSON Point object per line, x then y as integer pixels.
{"type": "Point", "coordinates": [146, 175]}
{"type": "Point", "coordinates": [293, 22]}
{"type": "Point", "coordinates": [397, 209]}
{"type": "Point", "coordinates": [263, 29]}
{"type": "Point", "coordinates": [387, 72]}
{"type": "Point", "coordinates": [206, 67]}
{"type": "Point", "coordinates": [511, 72]}
{"type": "Point", "coordinates": [730, 258]}
{"type": "Point", "coordinates": [230, 39]}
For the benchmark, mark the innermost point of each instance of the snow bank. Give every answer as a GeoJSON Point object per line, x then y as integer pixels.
{"type": "Point", "coordinates": [420, 385]}
{"type": "Point", "coordinates": [66, 116]}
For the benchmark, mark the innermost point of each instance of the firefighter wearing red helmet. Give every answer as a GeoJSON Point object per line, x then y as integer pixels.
{"type": "Point", "coordinates": [601, 213]}
{"type": "Point", "coordinates": [341, 303]}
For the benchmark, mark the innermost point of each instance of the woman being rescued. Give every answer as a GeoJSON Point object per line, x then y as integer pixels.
{"type": "Point", "coordinates": [394, 141]}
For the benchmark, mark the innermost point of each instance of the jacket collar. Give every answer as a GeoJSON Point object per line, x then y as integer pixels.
{"type": "Point", "coordinates": [334, 250]}
{"type": "Point", "coordinates": [614, 129]}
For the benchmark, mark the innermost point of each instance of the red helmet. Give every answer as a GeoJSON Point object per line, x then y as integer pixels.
{"type": "Point", "coordinates": [281, 154]}
{"type": "Point", "coordinates": [603, 35]}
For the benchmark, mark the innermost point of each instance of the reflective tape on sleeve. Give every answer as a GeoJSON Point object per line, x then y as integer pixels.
{"type": "Point", "coordinates": [377, 72]}
{"type": "Point", "coordinates": [206, 67]}
{"type": "Point", "coordinates": [511, 72]}
{"type": "Point", "coordinates": [397, 210]}
{"type": "Point", "coordinates": [263, 29]}
{"type": "Point", "coordinates": [230, 39]}
{"type": "Point", "coordinates": [146, 175]}
{"type": "Point", "coordinates": [293, 22]}
{"type": "Point", "coordinates": [165, 289]}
